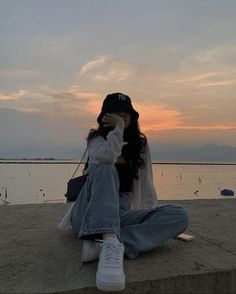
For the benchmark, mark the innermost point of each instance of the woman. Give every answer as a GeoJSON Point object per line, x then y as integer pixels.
{"type": "Point", "coordinates": [116, 212]}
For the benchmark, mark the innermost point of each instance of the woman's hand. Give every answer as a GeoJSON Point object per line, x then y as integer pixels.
{"type": "Point", "coordinates": [120, 160]}
{"type": "Point", "coordinates": [112, 120]}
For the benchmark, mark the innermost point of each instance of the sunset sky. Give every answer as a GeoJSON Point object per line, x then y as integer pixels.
{"type": "Point", "coordinates": [176, 59]}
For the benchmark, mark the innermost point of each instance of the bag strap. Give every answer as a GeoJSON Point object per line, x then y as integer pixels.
{"type": "Point", "coordinates": [79, 163]}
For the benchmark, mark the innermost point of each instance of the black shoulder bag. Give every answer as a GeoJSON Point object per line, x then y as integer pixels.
{"type": "Point", "coordinates": [75, 185]}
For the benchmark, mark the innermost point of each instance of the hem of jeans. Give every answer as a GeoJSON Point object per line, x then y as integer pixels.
{"type": "Point", "coordinates": [99, 231]}
{"type": "Point", "coordinates": [131, 252]}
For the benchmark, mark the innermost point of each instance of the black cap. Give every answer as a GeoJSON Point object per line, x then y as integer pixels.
{"type": "Point", "coordinates": [117, 102]}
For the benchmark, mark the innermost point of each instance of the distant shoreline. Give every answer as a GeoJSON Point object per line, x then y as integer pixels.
{"type": "Point", "coordinates": [71, 161]}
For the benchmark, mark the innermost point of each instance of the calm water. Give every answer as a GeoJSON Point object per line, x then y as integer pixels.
{"type": "Point", "coordinates": [46, 183]}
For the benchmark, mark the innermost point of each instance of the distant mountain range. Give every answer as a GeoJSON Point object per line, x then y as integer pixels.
{"type": "Point", "coordinates": [206, 153]}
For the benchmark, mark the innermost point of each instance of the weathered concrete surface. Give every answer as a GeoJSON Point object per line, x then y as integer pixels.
{"type": "Point", "coordinates": [37, 258]}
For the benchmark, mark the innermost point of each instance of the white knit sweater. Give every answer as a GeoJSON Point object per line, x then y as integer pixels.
{"type": "Point", "coordinates": [143, 194]}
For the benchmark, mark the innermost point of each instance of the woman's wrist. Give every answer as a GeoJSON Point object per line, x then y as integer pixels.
{"type": "Point", "coordinates": [121, 124]}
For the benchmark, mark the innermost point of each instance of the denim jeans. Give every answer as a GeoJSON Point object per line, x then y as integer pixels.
{"type": "Point", "coordinates": [101, 208]}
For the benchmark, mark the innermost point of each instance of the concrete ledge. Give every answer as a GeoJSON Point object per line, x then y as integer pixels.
{"type": "Point", "coordinates": [36, 258]}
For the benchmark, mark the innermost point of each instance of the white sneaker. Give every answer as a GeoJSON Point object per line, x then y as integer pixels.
{"type": "Point", "coordinates": [110, 274]}
{"type": "Point", "coordinates": [90, 250]}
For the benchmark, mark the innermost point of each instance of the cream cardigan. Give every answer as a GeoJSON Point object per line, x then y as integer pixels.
{"type": "Point", "coordinates": [143, 194]}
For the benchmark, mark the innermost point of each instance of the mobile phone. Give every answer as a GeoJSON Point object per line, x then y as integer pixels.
{"type": "Point", "coordinates": [185, 237]}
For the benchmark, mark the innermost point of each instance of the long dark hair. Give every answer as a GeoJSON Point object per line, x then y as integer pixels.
{"type": "Point", "coordinates": [132, 151]}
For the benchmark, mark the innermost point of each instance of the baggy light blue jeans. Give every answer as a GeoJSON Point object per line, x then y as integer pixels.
{"type": "Point", "coordinates": [101, 208]}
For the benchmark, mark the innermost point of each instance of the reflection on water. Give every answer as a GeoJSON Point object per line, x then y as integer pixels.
{"type": "Point", "coordinates": [46, 183]}
{"type": "Point", "coordinates": [193, 181]}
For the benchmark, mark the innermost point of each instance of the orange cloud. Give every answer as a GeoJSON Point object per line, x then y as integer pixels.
{"type": "Point", "coordinates": [94, 106]}
{"type": "Point", "coordinates": [217, 84]}
{"type": "Point", "coordinates": [13, 96]}
{"type": "Point", "coordinates": [161, 121]}
{"type": "Point", "coordinates": [72, 101]}
{"type": "Point", "coordinates": [158, 117]}
{"type": "Point", "coordinates": [217, 127]}
{"type": "Point", "coordinates": [199, 77]}
{"type": "Point", "coordinates": [204, 79]}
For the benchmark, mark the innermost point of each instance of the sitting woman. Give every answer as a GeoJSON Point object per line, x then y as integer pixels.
{"type": "Point", "coordinates": [116, 212]}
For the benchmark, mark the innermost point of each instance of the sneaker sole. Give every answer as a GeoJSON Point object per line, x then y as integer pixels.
{"type": "Point", "coordinates": [109, 286]}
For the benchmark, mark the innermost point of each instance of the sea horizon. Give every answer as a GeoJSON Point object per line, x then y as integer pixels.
{"type": "Point", "coordinates": [76, 161]}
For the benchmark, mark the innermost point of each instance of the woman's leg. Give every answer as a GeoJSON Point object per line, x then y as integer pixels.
{"type": "Point", "coordinates": [143, 230]}
{"type": "Point", "coordinates": [96, 210]}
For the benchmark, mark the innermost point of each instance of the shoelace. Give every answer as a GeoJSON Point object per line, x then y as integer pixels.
{"type": "Point", "coordinates": [112, 252]}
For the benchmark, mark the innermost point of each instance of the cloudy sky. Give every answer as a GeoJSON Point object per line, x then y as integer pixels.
{"type": "Point", "coordinates": [176, 59]}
